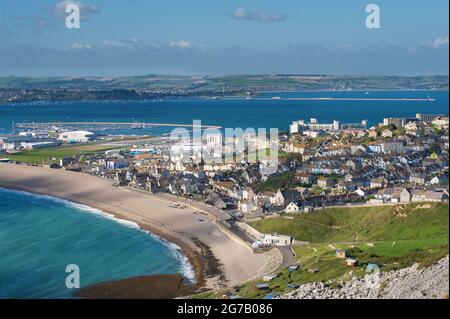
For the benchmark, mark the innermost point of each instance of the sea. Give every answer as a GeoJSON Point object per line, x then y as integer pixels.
{"type": "Point", "coordinates": [41, 235]}
{"type": "Point", "coordinates": [267, 112]}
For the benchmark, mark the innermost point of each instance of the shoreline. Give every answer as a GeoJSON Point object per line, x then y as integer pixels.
{"type": "Point", "coordinates": [216, 259]}
{"type": "Point", "coordinates": [195, 261]}
{"type": "Point", "coordinates": [177, 284]}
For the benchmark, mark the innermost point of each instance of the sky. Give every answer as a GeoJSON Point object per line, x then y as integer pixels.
{"type": "Point", "coordinates": [223, 37]}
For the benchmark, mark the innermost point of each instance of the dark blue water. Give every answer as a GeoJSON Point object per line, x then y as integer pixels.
{"type": "Point", "coordinates": [40, 236]}
{"type": "Point", "coordinates": [232, 113]}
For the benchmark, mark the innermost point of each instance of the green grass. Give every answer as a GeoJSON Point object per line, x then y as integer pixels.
{"type": "Point", "coordinates": [333, 270]}
{"type": "Point", "coordinates": [45, 155]}
{"type": "Point", "coordinates": [398, 248]}
{"type": "Point", "coordinates": [390, 237]}
{"type": "Point", "coordinates": [397, 259]}
{"type": "Point", "coordinates": [276, 182]}
{"type": "Point", "coordinates": [386, 223]}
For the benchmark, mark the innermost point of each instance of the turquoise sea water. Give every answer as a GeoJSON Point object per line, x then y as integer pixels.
{"type": "Point", "coordinates": [232, 112]}
{"type": "Point", "coordinates": [41, 235]}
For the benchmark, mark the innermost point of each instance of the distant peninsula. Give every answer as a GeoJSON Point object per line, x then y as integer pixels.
{"type": "Point", "coordinates": [15, 89]}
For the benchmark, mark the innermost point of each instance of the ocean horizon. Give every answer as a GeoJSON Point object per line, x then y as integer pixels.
{"type": "Point", "coordinates": [40, 235]}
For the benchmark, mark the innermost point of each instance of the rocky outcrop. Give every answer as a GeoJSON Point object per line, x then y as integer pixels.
{"type": "Point", "coordinates": [407, 283]}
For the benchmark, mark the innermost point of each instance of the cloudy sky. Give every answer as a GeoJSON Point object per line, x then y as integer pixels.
{"type": "Point", "coordinates": [218, 37]}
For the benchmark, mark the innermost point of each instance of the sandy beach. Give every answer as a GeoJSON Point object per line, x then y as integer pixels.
{"type": "Point", "coordinates": [218, 260]}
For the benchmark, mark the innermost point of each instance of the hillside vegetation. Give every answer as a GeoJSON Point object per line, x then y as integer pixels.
{"type": "Point", "coordinates": [382, 223]}
{"type": "Point", "coordinates": [392, 237]}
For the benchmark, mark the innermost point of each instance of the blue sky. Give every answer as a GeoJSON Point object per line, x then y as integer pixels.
{"type": "Point", "coordinates": [214, 37]}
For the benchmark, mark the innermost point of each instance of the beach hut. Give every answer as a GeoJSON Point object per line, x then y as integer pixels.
{"type": "Point", "coordinates": [351, 262]}
{"type": "Point", "coordinates": [313, 270]}
{"type": "Point", "coordinates": [372, 268]}
{"type": "Point", "coordinates": [269, 277]}
{"type": "Point", "coordinates": [231, 297]}
{"type": "Point", "coordinates": [293, 268]}
{"type": "Point", "coordinates": [341, 253]}
{"type": "Point", "coordinates": [262, 286]}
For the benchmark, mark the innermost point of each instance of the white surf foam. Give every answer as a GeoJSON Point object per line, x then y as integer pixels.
{"type": "Point", "coordinates": [186, 268]}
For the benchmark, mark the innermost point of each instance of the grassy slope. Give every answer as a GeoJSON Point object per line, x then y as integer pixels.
{"type": "Point", "coordinates": [332, 270]}
{"type": "Point", "coordinates": [361, 224]}
{"type": "Point", "coordinates": [45, 155]}
{"type": "Point", "coordinates": [385, 238]}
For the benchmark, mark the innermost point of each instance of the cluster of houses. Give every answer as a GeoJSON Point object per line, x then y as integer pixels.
{"type": "Point", "coordinates": [399, 161]}
{"type": "Point", "coordinates": [387, 163]}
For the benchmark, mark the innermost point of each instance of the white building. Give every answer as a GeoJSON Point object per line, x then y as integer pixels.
{"type": "Point", "coordinates": [213, 139]}
{"type": "Point", "coordinates": [293, 207]}
{"type": "Point", "coordinates": [293, 128]}
{"type": "Point", "coordinates": [428, 117]}
{"type": "Point", "coordinates": [276, 240]}
{"type": "Point", "coordinates": [313, 125]}
{"type": "Point", "coordinates": [313, 134]}
{"type": "Point", "coordinates": [35, 145]}
{"type": "Point", "coordinates": [77, 137]}
{"type": "Point", "coordinates": [375, 148]}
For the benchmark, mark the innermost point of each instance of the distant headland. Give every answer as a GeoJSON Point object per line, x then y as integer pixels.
{"type": "Point", "coordinates": [17, 89]}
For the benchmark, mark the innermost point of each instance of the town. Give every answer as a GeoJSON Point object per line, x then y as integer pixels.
{"type": "Point", "coordinates": [319, 165]}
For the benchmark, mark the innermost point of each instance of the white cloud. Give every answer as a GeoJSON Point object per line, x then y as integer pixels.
{"type": "Point", "coordinates": [134, 56]}
{"type": "Point", "coordinates": [439, 43]}
{"type": "Point", "coordinates": [79, 46]}
{"type": "Point", "coordinates": [140, 46]}
{"type": "Point", "coordinates": [181, 44]}
{"type": "Point", "coordinates": [243, 14]}
{"type": "Point", "coordinates": [187, 44]}
{"type": "Point", "coordinates": [119, 44]}
{"type": "Point", "coordinates": [128, 45]}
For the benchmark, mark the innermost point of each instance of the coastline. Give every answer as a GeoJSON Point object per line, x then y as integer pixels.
{"type": "Point", "coordinates": [231, 97]}
{"type": "Point", "coordinates": [216, 259]}
{"type": "Point", "coordinates": [181, 282]}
